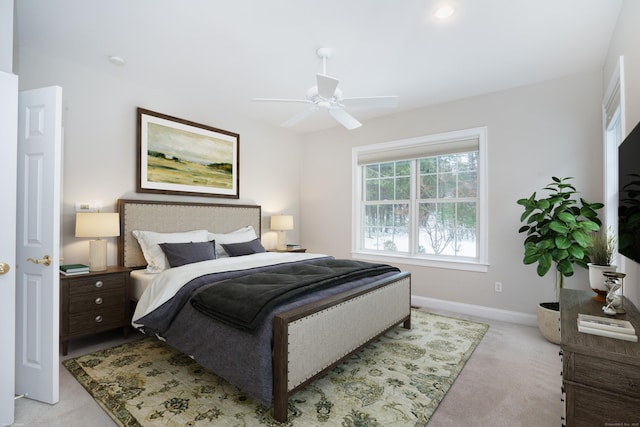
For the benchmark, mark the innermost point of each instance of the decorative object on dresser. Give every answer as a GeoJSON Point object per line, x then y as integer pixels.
{"type": "Point", "coordinates": [98, 225]}
{"type": "Point", "coordinates": [615, 301]}
{"type": "Point", "coordinates": [177, 156]}
{"type": "Point", "coordinates": [601, 254]}
{"type": "Point", "coordinates": [614, 328]}
{"type": "Point", "coordinates": [94, 302]}
{"type": "Point", "coordinates": [558, 231]}
{"type": "Point", "coordinates": [282, 223]}
{"type": "Point", "coordinates": [600, 375]}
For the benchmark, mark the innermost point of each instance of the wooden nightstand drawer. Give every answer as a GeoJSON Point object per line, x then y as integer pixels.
{"type": "Point", "coordinates": [95, 321]}
{"type": "Point", "coordinates": [98, 300]}
{"type": "Point", "coordinates": [95, 284]}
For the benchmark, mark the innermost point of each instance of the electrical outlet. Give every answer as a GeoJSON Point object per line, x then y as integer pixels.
{"type": "Point", "coordinates": [85, 207]}
{"type": "Point", "coordinates": [498, 287]}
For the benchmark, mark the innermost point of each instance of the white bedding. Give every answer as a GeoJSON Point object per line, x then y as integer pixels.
{"type": "Point", "coordinates": [161, 287]}
{"type": "Point", "coordinates": [140, 279]}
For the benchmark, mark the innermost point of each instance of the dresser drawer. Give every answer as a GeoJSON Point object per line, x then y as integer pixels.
{"type": "Point", "coordinates": [96, 321]}
{"type": "Point", "coordinates": [591, 407]}
{"type": "Point", "coordinates": [603, 374]}
{"type": "Point", "coordinates": [96, 300]}
{"type": "Point", "coordinates": [96, 283]}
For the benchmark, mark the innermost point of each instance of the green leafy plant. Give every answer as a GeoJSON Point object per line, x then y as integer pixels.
{"type": "Point", "coordinates": [602, 248]}
{"type": "Point", "coordinates": [558, 229]}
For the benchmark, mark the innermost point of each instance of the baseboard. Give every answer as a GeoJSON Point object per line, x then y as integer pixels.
{"type": "Point", "coordinates": [475, 310]}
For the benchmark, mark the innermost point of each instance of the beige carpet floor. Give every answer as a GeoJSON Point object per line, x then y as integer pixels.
{"type": "Point", "coordinates": [512, 379]}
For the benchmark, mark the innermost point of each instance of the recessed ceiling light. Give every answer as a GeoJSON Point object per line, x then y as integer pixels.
{"type": "Point", "coordinates": [444, 12]}
{"type": "Point", "coordinates": [116, 60]}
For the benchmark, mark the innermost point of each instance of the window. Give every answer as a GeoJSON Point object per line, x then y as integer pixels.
{"type": "Point", "coordinates": [613, 126]}
{"type": "Point", "coordinates": [422, 200]}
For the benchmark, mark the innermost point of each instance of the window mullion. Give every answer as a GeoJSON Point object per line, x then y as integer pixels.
{"type": "Point", "coordinates": [413, 228]}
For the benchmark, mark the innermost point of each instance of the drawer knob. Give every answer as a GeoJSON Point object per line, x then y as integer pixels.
{"type": "Point", "coordinates": [98, 300]}
{"type": "Point", "coordinates": [98, 319]}
{"type": "Point", "coordinates": [99, 284]}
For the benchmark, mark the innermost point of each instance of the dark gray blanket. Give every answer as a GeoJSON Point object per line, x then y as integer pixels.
{"type": "Point", "coordinates": [243, 302]}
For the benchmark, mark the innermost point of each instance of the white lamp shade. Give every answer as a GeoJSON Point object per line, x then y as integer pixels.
{"type": "Point", "coordinates": [97, 224]}
{"type": "Point", "coordinates": [282, 222]}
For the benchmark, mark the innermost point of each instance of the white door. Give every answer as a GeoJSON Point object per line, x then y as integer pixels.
{"type": "Point", "coordinates": [8, 138]}
{"type": "Point", "coordinates": [38, 243]}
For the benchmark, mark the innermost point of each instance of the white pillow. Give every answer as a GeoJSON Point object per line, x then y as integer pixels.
{"type": "Point", "coordinates": [150, 243]}
{"type": "Point", "coordinates": [241, 235]}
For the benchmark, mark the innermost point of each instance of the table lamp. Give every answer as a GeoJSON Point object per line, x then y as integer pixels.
{"type": "Point", "coordinates": [281, 223]}
{"type": "Point", "coordinates": [98, 225]}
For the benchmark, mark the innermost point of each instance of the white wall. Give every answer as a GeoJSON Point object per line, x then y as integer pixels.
{"type": "Point", "coordinates": [100, 144]}
{"type": "Point", "coordinates": [551, 128]}
{"type": "Point", "coordinates": [6, 36]}
{"type": "Point", "coordinates": [625, 43]}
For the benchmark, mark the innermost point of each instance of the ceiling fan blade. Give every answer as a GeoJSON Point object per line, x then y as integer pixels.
{"type": "Point", "coordinates": [345, 119]}
{"type": "Point", "coordinates": [299, 117]}
{"type": "Point", "coordinates": [371, 101]}
{"type": "Point", "coordinates": [326, 86]}
{"type": "Point", "coordinates": [304, 101]}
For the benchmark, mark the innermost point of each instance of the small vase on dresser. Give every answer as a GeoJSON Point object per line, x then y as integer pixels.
{"type": "Point", "coordinates": [597, 279]}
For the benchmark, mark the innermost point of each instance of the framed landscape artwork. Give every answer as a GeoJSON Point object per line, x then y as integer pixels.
{"type": "Point", "coordinates": [176, 156]}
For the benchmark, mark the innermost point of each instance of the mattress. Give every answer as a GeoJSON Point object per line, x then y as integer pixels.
{"type": "Point", "coordinates": [139, 282]}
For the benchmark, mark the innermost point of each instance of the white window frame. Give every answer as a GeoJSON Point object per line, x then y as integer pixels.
{"type": "Point", "coordinates": [613, 126]}
{"type": "Point", "coordinates": [481, 263]}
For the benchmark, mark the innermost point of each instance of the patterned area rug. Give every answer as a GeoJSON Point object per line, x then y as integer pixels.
{"type": "Point", "coordinates": [398, 380]}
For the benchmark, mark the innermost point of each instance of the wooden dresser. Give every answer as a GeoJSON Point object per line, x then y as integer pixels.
{"type": "Point", "coordinates": [94, 302]}
{"type": "Point", "coordinates": [600, 375]}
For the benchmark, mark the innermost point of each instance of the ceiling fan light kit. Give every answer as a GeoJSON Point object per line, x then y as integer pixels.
{"type": "Point", "coordinates": [327, 96]}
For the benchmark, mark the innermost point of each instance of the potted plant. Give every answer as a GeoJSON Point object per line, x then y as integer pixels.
{"type": "Point", "coordinates": [601, 254]}
{"type": "Point", "coordinates": [558, 231]}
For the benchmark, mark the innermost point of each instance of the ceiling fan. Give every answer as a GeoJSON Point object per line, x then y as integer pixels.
{"type": "Point", "coordinates": [327, 96]}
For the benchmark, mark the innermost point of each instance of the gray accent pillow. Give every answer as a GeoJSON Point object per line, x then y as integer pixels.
{"type": "Point", "coordinates": [245, 248]}
{"type": "Point", "coordinates": [187, 253]}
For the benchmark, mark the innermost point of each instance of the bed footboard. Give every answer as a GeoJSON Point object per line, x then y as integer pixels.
{"type": "Point", "coordinates": [312, 339]}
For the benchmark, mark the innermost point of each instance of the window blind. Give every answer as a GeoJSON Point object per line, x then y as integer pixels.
{"type": "Point", "coordinates": [613, 103]}
{"type": "Point", "coordinates": [417, 150]}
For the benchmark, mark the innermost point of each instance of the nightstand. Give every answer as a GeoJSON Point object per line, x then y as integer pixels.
{"type": "Point", "coordinates": [94, 302]}
{"type": "Point", "coordinates": [288, 250]}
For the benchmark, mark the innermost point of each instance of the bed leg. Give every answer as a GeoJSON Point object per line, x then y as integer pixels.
{"type": "Point", "coordinates": [280, 369]}
{"type": "Point", "coordinates": [407, 323]}
{"type": "Point", "coordinates": [280, 409]}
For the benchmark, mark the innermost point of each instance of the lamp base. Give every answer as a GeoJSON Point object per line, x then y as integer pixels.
{"type": "Point", "coordinates": [98, 255]}
{"type": "Point", "coordinates": [282, 240]}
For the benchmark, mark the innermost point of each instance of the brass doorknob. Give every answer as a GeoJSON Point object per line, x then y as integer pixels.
{"type": "Point", "coordinates": [46, 260]}
{"type": "Point", "coordinates": [4, 267]}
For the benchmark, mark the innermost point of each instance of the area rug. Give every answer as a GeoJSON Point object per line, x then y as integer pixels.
{"type": "Point", "coordinates": [398, 380]}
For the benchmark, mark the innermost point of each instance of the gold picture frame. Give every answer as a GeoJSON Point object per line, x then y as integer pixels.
{"type": "Point", "coordinates": [177, 156]}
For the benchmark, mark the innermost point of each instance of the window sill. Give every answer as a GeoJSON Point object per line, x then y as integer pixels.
{"type": "Point", "coordinates": [424, 262]}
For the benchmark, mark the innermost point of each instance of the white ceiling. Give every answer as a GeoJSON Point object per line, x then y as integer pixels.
{"type": "Point", "coordinates": [235, 50]}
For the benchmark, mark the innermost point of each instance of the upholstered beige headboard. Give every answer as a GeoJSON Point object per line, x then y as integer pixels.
{"type": "Point", "coordinates": [165, 217]}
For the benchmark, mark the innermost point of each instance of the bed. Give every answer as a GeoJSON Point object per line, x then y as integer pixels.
{"type": "Point", "coordinates": [296, 342]}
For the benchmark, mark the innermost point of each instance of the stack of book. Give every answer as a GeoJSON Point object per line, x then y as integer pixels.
{"type": "Point", "coordinates": [606, 327]}
{"type": "Point", "coordinates": [72, 269]}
